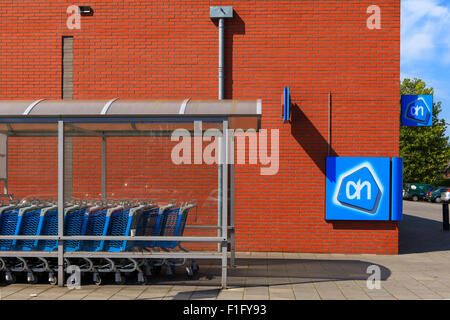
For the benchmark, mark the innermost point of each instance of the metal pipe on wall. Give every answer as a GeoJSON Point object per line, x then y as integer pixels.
{"type": "Point", "coordinates": [221, 97]}
{"type": "Point", "coordinates": [221, 57]}
{"type": "Point", "coordinates": [221, 13]}
{"type": "Point", "coordinates": [329, 123]}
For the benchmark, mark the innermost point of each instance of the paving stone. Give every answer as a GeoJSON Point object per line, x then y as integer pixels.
{"type": "Point", "coordinates": [419, 289]}
{"type": "Point", "coordinates": [281, 294]}
{"type": "Point", "coordinates": [205, 293]}
{"type": "Point", "coordinates": [26, 293]}
{"type": "Point", "coordinates": [305, 292]}
{"type": "Point", "coordinates": [180, 293]}
{"type": "Point", "coordinates": [352, 291]}
{"type": "Point", "coordinates": [256, 293]}
{"type": "Point", "coordinates": [328, 290]}
{"type": "Point", "coordinates": [51, 294]}
{"type": "Point", "coordinates": [76, 294]}
{"type": "Point", "coordinates": [380, 294]}
{"type": "Point", "coordinates": [154, 293]}
{"type": "Point", "coordinates": [231, 294]}
{"type": "Point", "coordinates": [398, 291]}
{"type": "Point", "coordinates": [11, 289]}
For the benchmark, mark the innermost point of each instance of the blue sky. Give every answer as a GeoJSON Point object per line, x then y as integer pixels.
{"type": "Point", "coordinates": [425, 47]}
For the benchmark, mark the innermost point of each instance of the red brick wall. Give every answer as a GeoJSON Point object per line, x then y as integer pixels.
{"type": "Point", "coordinates": [168, 49]}
{"type": "Point", "coordinates": [139, 168]}
{"type": "Point", "coordinates": [33, 167]}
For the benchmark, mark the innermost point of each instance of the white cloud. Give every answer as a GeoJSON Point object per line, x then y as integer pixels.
{"type": "Point", "coordinates": [447, 49]}
{"type": "Point", "coordinates": [425, 30]}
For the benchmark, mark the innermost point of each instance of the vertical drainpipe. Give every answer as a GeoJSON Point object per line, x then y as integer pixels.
{"type": "Point", "coordinates": [221, 87]}
{"type": "Point", "coordinates": [221, 57]}
{"type": "Point", "coordinates": [220, 13]}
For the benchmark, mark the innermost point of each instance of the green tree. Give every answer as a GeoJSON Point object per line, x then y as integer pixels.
{"type": "Point", "coordinates": [425, 150]}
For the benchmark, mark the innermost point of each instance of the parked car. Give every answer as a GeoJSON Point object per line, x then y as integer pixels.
{"type": "Point", "coordinates": [435, 194]}
{"type": "Point", "coordinates": [416, 191]}
{"type": "Point", "coordinates": [445, 195]}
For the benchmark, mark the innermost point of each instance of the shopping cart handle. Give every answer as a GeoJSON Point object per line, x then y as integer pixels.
{"type": "Point", "coordinates": [189, 206]}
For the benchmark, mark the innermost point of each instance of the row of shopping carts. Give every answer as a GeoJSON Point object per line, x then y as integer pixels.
{"type": "Point", "coordinates": [121, 218]}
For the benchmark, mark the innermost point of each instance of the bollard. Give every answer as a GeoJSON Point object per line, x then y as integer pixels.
{"type": "Point", "coordinates": [445, 220]}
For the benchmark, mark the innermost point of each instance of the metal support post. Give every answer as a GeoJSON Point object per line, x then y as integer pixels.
{"type": "Point", "coordinates": [60, 203]}
{"type": "Point", "coordinates": [103, 168]}
{"type": "Point", "coordinates": [232, 224]}
{"type": "Point", "coordinates": [445, 217]}
{"type": "Point", "coordinates": [224, 163]}
{"type": "Point", "coordinates": [219, 192]}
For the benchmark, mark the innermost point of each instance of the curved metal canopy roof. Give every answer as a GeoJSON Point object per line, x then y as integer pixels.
{"type": "Point", "coordinates": [128, 108]}
{"type": "Point", "coordinates": [130, 117]}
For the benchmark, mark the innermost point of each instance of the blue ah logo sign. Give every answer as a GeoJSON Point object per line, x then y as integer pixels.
{"type": "Point", "coordinates": [358, 188]}
{"type": "Point", "coordinates": [360, 191]}
{"type": "Point", "coordinates": [417, 110]}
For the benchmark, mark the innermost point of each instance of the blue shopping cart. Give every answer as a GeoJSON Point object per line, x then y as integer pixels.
{"type": "Point", "coordinates": [173, 223]}
{"type": "Point", "coordinates": [117, 221]}
{"type": "Point", "coordinates": [30, 224]}
{"type": "Point", "coordinates": [8, 225]}
{"type": "Point", "coordinates": [25, 220]}
{"type": "Point", "coordinates": [150, 223]}
{"type": "Point", "coordinates": [49, 228]}
{"type": "Point", "coordinates": [48, 225]}
{"type": "Point", "coordinates": [120, 223]}
{"type": "Point", "coordinates": [97, 221]}
{"type": "Point", "coordinates": [81, 219]}
{"type": "Point", "coordinates": [74, 225]}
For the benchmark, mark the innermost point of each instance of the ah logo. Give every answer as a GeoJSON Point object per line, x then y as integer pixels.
{"type": "Point", "coordinates": [359, 190]}
{"type": "Point", "coordinates": [418, 110]}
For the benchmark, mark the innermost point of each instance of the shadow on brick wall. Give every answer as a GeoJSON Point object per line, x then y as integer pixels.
{"type": "Point", "coordinates": [311, 140]}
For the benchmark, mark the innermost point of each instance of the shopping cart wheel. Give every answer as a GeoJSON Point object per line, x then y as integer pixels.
{"type": "Point", "coordinates": [52, 279]}
{"type": "Point", "coordinates": [170, 271]}
{"type": "Point", "coordinates": [190, 272]}
{"type": "Point", "coordinates": [31, 278]}
{"type": "Point", "coordinates": [120, 279]}
{"type": "Point", "coordinates": [195, 267]}
{"type": "Point", "coordinates": [148, 270]}
{"type": "Point", "coordinates": [141, 279]}
{"type": "Point", "coordinates": [97, 279]}
{"type": "Point", "coordinates": [10, 277]}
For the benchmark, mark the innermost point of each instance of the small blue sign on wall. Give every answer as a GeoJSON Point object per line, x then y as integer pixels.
{"type": "Point", "coordinates": [363, 188]}
{"type": "Point", "coordinates": [286, 104]}
{"type": "Point", "coordinates": [417, 110]}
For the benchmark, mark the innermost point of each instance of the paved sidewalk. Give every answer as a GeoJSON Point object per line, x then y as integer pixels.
{"type": "Point", "coordinates": [420, 271]}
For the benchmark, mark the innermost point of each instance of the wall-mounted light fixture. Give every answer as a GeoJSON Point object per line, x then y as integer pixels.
{"type": "Point", "coordinates": [86, 10]}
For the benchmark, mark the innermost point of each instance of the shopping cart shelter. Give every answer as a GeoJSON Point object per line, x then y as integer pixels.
{"type": "Point", "coordinates": [130, 219]}
{"type": "Point", "coordinates": [95, 103]}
